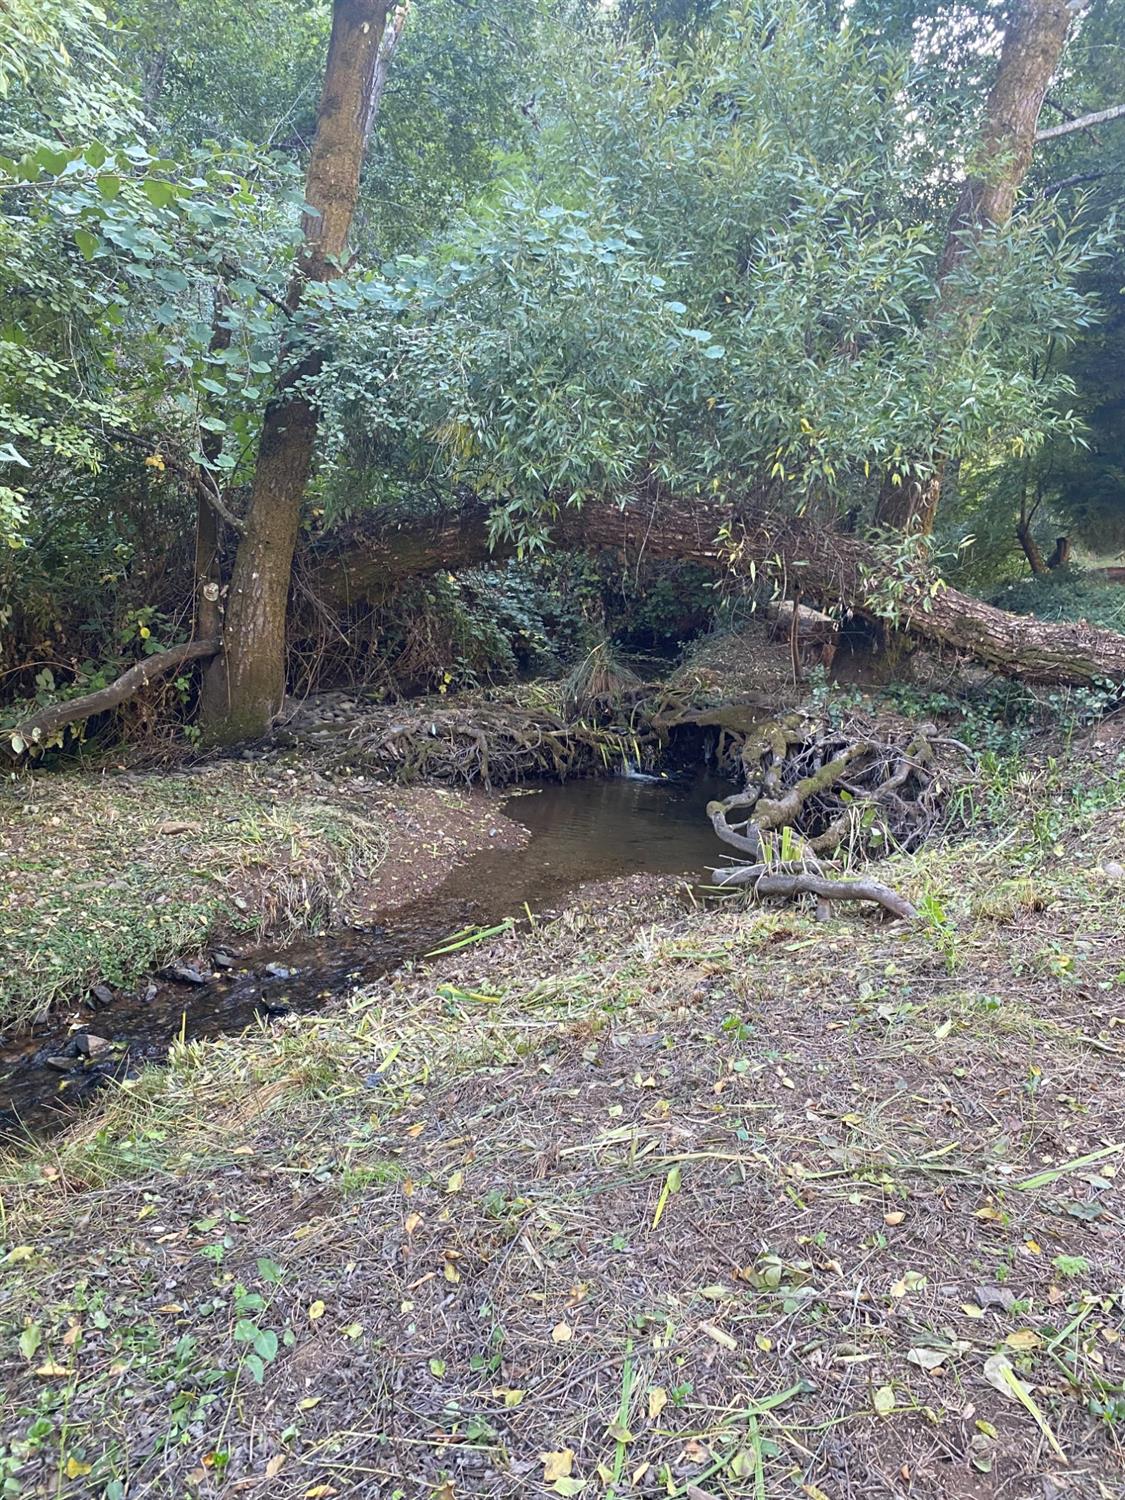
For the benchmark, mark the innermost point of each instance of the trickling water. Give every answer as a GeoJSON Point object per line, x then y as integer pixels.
{"type": "Point", "coordinates": [581, 831]}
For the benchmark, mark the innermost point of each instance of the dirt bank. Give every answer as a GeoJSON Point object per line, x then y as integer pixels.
{"type": "Point", "coordinates": [108, 876]}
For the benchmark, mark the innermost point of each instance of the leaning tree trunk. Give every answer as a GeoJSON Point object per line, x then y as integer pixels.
{"type": "Point", "coordinates": [1033, 45]}
{"type": "Point", "coordinates": [245, 686]}
{"type": "Point", "coordinates": [833, 569]}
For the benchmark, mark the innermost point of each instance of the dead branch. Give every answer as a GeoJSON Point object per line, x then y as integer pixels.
{"type": "Point", "coordinates": [39, 731]}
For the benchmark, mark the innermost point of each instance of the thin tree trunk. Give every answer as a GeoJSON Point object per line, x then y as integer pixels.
{"type": "Point", "coordinates": [245, 687]}
{"type": "Point", "coordinates": [1030, 546]}
{"type": "Point", "coordinates": [1033, 45]}
{"type": "Point", "coordinates": [208, 531]}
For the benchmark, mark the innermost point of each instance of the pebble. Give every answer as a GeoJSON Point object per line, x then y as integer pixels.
{"type": "Point", "coordinates": [278, 971]}
{"type": "Point", "coordinates": [63, 1064]}
{"type": "Point", "coordinates": [1113, 871]}
{"type": "Point", "coordinates": [90, 1045]}
{"type": "Point", "coordinates": [100, 995]}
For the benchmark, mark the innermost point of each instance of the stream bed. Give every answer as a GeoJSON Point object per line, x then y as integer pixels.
{"type": "Point", "coordinates": [580, 831]}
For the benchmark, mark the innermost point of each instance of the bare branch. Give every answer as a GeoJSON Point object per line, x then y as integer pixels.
{"type": "Point", "coordinates": [1083, 122]}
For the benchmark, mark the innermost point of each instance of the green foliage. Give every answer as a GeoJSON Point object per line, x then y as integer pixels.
{"type": "Point", "coordinates": [1066, 594]}
{"type": "Point", "coordinates": [720, 294]}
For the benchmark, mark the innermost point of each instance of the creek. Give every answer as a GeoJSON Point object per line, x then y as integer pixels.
{"type": "Point", "coordinates": [579, 832]}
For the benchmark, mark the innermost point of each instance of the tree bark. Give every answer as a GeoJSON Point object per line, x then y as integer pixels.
{"type": "Point", "coordinates": [832, 569]}
{"type": "Point", "coordinates": [1033, 45]}
{"type": "Point", "coordinates": [245, 687]}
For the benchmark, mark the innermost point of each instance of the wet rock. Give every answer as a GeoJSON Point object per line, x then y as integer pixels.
{"type": "Point", "coordinates": [89, 1045]}
{"type": "Point", "coordinates": [63, 1064]}
{"type": "Point", "coordinates": [150, 994]}
{"type": "Point", "coordinates": [222, 959]}
{"type": "Point", "coordinates": [273, 1012]}
{"type": "Point", "coordinates": [183, 974]}
{"type": "Point", "coordinates": [100, 995]}
{"type": "Point", "coordinates": [277, 971]}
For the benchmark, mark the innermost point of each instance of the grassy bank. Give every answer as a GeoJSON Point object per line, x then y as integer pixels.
{"type": "Point", "coordinates": [104, 878]}
{"type": "Point", "coordinates": [650, 1201]}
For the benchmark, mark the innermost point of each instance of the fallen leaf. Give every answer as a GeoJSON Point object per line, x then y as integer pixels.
{"type": "Point", "coordinates": [75, 1469]}
{"type": "Point", "coordinates": [927, 1359]}
{"type": "Point", "coordinates": [568, 1486]}
{"type": "Point", "coordinates": [320, 1491]}
{"type": "Point", "coordinates": [942, 1031]}
{"type": "Point", "coordinates": [971, 1310]}
{"type": "Point", "coordinates": [507, 1395]}
{"type": "Point", "coordinates": [308, 1402]}
{"type": "Point", "coordinates": [557, 1465]}
{"type": "Point", "coordinates": [993, 1215]}
{"type": "Point", "coordinates": [1000, 1375]}
{"type": "Point", "coordinates": [450, 1272]}
{"type": "Point", "coordinates": [719, 1335]}
{"type": "Point", "coordinates": [18, 1253]}
{"type": "Point", "coordinates": [456, 1182]}
{"type": "Point", "coordinates": [895, 1216]}
{"type": "Point", "coordinates": [657, 1401]}
{"type": "Point", "coordinates": [275, 1465]}
{"type": "Point", "coordinates": [763, 1342]}
{"type": "Point", "coordinates": [1024, 1338]}
{"type": "Point", "coordinates": [412, 1222]}
{"type": "Point", "coordinates": [884, 1400]}
{"type": "Point", "coordinates": [619, 1432]}
{"type": "Point", "coordinates": [50, 1369]}
{"type": "Point", "coordinates": [562, 1333]}
{"type": "Point", "coordinates": [316, 1310]}
{"type": "Point", "coordinates": [814, 1492]}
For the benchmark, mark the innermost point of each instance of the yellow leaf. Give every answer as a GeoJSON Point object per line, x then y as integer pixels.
{"type": "Point", "coordinates": [1023, 1338]}
{"type": "Point", "coordinates": [319, 1491]}
{"type": "Point", "coordinates": [657, 1401]}
{"type": "Point", "coordinates": [456, 1182]}
{"type": "Point", "coordinates": [450, 1272]}
{"type": "Point", "coordinates": [884, 1400]}
{"type": "Point", "coordinates": [507, 1395]}
{"type": "Point", "coordinates": [558, 1465]}
{"type": "Point", "coordinates": [75, 1470]}
{"type": "Point", "coordinates": [416, 1129]}
{"type": "Point", "coordinates": [988, 1212]}
{"type": "Point", "coordinates": [316, 1310]}
{"type": "Point", "coordinates": [562, 1333]}
{"type": "Point", "coordinates": [353, 1330]}
{"type": "Point", "coordinates": [412, 1222]}
{"type": "Point", "coordinates": [275, 1465]}
{"type": "Point", "coordinates": [1033, 1246]}
{"type": "Point", "coordinates": [764, 1342]}
{"type": "Point", "coordinates": [308, 1402]}
{"type": "Point", "coordinates": [896, 1216]}
{"type": "Point", "coordinates": [51, 1369]}
{"type": "Point", "coordinates": [814, 1492]}
{"type": "Point", "coordinates": [18, 1253]}
{"type": "Point", "coordinates": [971, 1310]}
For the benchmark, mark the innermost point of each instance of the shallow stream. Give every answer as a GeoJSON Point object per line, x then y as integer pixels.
{"type": "Point", "coordinates": [580, 831]}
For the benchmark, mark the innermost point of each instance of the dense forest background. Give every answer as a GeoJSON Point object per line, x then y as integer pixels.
{"type": "Point", "coordinates": [698, 249]}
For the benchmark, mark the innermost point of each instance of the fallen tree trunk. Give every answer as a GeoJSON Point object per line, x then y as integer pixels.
{"type": "Point", "coordinates": [810, 558]}
{"type": "Point", "coordinates": [39, 731]}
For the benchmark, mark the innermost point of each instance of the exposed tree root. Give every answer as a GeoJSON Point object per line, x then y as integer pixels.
{"type": "Point", "coordinates": [493, 744]}
{"type": "Point", "coordinates": [864, 793]}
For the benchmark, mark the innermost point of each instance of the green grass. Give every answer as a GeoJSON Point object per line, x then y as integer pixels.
{"type": "Point", "coordinates": [99, 884]}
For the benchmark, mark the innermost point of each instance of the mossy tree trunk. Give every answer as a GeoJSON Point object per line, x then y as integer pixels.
{"type": "Point", "coordinates": [245, 686]}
